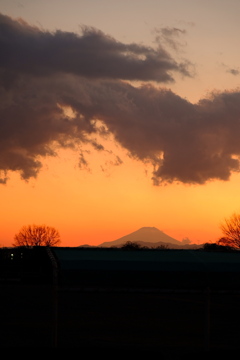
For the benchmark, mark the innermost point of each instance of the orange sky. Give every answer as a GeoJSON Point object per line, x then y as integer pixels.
{"type": "Point", "coordinates": [93, 207]}
{"type": "Point", "coordinates": [109, 198]}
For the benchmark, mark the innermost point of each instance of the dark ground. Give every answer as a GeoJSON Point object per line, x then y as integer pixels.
{"type": "Point", "coordinates": [187, 323]}
{"type": "Point", "coordinates": [175, 325]}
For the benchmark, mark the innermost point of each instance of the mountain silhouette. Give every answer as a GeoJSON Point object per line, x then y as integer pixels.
{"type": "Point", "coordinates": [146, 236]}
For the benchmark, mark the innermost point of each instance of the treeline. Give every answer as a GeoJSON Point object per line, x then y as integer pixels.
{"type": "Point", "coordinates": [129, 245]}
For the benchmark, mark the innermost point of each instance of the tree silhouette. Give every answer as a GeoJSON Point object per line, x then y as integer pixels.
{"type": "Point", "coordinates": [37, 235]}
{"type": "Point", "coordinates": [231, 231]}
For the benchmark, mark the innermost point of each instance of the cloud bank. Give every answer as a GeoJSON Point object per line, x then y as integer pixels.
{"type": "Point", "coordinates": [27, 50]}
{"type": "Point", "coordinates": [43, 72]}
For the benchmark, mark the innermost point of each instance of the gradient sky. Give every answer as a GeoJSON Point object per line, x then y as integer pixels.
{"type": "Point", "coordinates": [116, 115]}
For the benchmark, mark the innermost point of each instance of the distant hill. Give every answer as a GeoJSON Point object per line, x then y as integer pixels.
{"type": "Point", "coordinates": [150, 237]}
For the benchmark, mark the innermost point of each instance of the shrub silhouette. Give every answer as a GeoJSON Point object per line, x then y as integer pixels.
{"type": "Point", "coordinates": [129, 245]}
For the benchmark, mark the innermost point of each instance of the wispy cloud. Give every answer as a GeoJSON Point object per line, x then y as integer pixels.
{"type": "Point", "coordinates": [171, 36]}
{"type": "Point", "coordinates": [231, 70]}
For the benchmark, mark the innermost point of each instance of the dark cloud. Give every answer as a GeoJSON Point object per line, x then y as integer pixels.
{"type": "Point", "coordinates": [234, 71]}
{"type": "Point", "coordinates": [27, 49]}
{"type": "Point", "coordinates": [184, 142]}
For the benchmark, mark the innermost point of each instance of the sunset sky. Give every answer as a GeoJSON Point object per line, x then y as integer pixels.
{"type": "Point", "coordinates": [116, 115]}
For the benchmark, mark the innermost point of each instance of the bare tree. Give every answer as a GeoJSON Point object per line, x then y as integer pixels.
{"type": "Point", "coordinates": [231, 231]}
{"type": "Point", "coordinates": [37, 235]}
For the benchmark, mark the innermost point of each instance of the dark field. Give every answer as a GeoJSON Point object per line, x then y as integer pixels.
{"type": "Point", "coordinates": [170, 323]}
{"type": "Point", "coordinates": [177, 314]}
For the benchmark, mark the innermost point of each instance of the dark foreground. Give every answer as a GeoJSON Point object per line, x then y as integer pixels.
{"type": "Point", "coordinates": [180, 305]}
{"type": "Point", "coordinates": [175, 325]}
